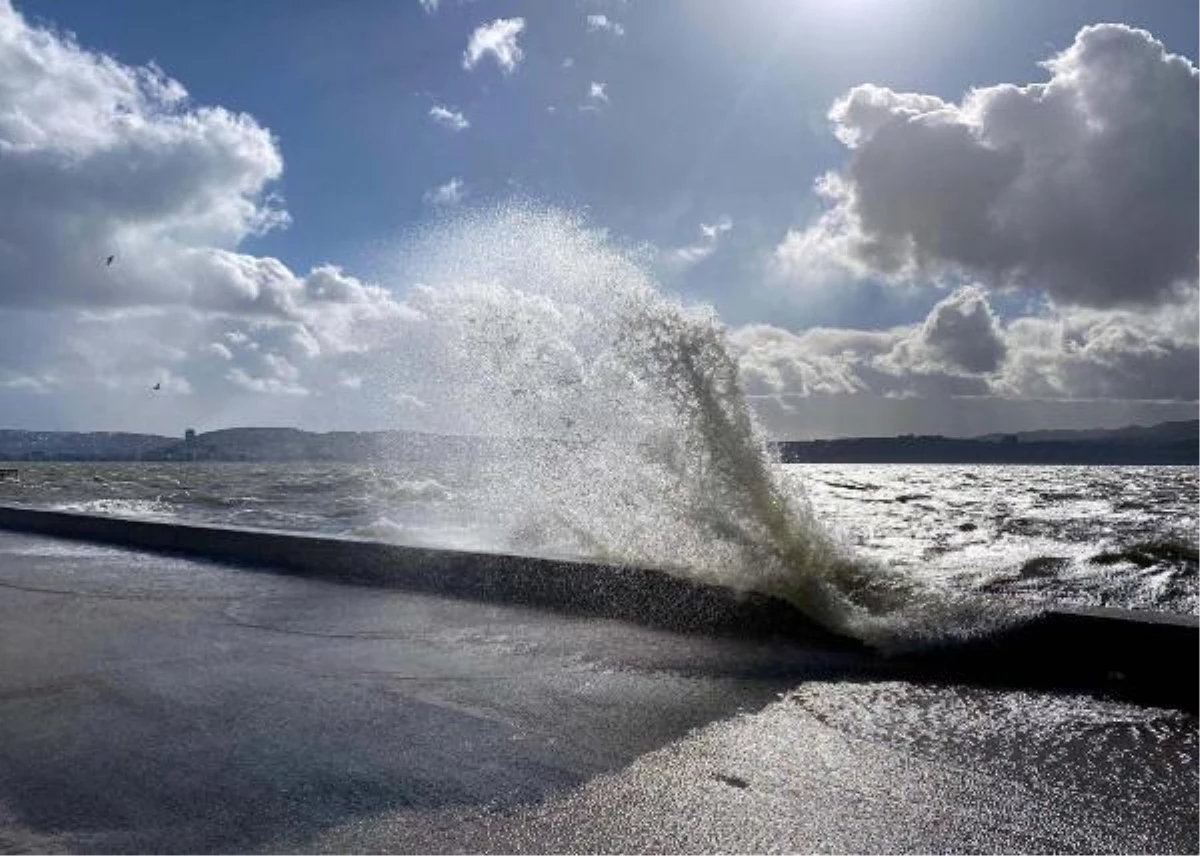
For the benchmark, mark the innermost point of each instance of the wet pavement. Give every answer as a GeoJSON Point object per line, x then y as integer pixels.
{"type": "Point", "coordinates": [160, 704]}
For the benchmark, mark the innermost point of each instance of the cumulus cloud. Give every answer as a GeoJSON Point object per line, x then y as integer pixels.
{"type": "Point", "coordinates": [1083, 186]}
{"type": "Point", "coordinates": [430, 6]}
{"type": "Point", "coordinates": [450, 193]}
{"type": "Point", "coordinates": [102, 159]}
{"type": "Point", "coordinates": [109, 160]}
{"type": "Point", "coordinates": [961, 333]}
{"type": "Point", "coordinates": [602, 23]}
{"type": "Point", "coordinates": [498, 40]}
{"type": "Point", "coordinates": [447, 118]}
{"type": "Point", "coordinates": [1104, 355]}
{"type": "Point", "coordinates": [825, 362]}
{"type": "Point", "coordinates": [962, 349]}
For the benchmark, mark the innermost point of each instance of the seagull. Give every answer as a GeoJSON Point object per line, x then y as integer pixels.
{"type": "Point", "coordinates": [158, 385]}
{"type": "Point", "coordinates": [109, 262]}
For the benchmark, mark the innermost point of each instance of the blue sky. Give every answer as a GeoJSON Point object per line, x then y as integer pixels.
{"type": "Point", "coordinates": [716, 108]}
{"type": "Point", "coordinates": [711, 113]}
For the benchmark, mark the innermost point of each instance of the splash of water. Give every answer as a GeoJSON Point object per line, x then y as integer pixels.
{"type": "Point", "coordinates": [629, 437]}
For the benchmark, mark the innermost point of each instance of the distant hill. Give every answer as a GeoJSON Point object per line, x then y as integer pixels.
{"type": "Point", "coordinates": [1165, 443]}
{"type": "Point", "coordinates": [230, 444]}
{"type": "Point", "coordinates": [74, 446]}
{"type": "Point", "coordinates": [1163, 433]}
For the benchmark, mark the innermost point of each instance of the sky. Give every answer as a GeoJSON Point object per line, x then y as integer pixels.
{"type": "Point", "coordinates": [911, 216]}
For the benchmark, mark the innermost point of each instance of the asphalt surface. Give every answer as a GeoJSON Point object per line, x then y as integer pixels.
{"type": "Point", "coordinates": [158, 704]}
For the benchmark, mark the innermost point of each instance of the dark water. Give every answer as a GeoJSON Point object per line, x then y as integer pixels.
{"type": "Point", "coordinates": [331, 499]}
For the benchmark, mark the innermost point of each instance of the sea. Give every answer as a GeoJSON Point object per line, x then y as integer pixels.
{"type": "Point", "coordinates": [1093, 535]}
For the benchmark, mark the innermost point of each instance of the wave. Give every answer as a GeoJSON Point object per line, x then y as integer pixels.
{"type": "Point", "coordinates": [1157, 573]}
{"type": "Point", "coordinates": [152, 509]}
{"type": "Point", "coordinates": [635, 441]}
{"type": "Point", "coordinates": [418, 490]}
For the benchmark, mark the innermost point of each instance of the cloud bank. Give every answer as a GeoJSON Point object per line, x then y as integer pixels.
{"type": "Point", "coordinates": [961, 348]}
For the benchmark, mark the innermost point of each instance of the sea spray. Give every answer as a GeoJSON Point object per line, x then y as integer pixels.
{"type": "Point", "coordinates": [618, 426]}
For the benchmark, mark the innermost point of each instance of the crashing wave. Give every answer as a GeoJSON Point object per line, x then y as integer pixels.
{"type": "Point", "coordinates": [630, 439]}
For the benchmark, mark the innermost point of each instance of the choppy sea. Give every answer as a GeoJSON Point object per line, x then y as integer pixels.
{"type": "Point", "coordinates": [1099, 535]}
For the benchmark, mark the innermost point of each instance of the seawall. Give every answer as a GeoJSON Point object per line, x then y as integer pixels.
{"type": "Point", "coordinates": [645, 596]}
{"type": "Point", "coordinates": [1142, 656]}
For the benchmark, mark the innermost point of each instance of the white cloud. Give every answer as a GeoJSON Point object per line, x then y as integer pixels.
{"type": "Point", "coordinates": [710, 236]}
{"type": "Point", "coordinates": [447, 118]}
{"type": "Point", "coordinates": [264, 384]}
{"type": "Point", "coordinates": [110, 160]}
{"type": "Point", "coordinates": [450, 193]}
{"type": "Point", "coordinates": [1083, 186]}
{"type": "Point", "coordinates": [713, 231]}
{"type": "Point", "coordinates": [430, 6]}
{"type": "Point", "coordinates": [499, 39]}
{"type": "Point", "coordinates": [597, 97]}
{"type": "Point", "coordinates": [818, 362]}
{"type": "Point", "coordinates": [114, 160]}
{"type": "Point", "coordinates": [961, 334]}
{"type": "Point", "coordinates": [602, 23]}
{"type": "Point", "coordinates": [773, 361]}
{"type": "Point", "coordinates": [958, 351]}
{"type": "Point", "coordinates": [219, 350]}
{"type": "Point", "coordinates": [962, 349]}
{"type": "Point", "coordinates": [1104, 355]}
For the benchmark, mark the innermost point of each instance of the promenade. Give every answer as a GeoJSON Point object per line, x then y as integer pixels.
{"type": "Point", "coordinates": [165, 704]}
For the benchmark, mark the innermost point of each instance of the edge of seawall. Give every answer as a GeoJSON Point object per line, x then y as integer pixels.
{"type": "Point", "coordinates": [1142, 656]}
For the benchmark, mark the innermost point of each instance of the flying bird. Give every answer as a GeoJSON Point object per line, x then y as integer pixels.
{"type": "Point", "coordinates": [109, 262]}
{"type": "Point", "coordinates": [158, 385]}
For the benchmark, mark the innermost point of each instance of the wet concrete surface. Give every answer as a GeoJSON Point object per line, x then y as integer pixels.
{"type": "Point", "coordinates": [159, 704]}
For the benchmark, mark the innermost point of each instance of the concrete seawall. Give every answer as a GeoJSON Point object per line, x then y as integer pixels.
{"type": "Point", "coordinates": [1142, 656]}
{"type": "Point", "coordinates": [645, 596]}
